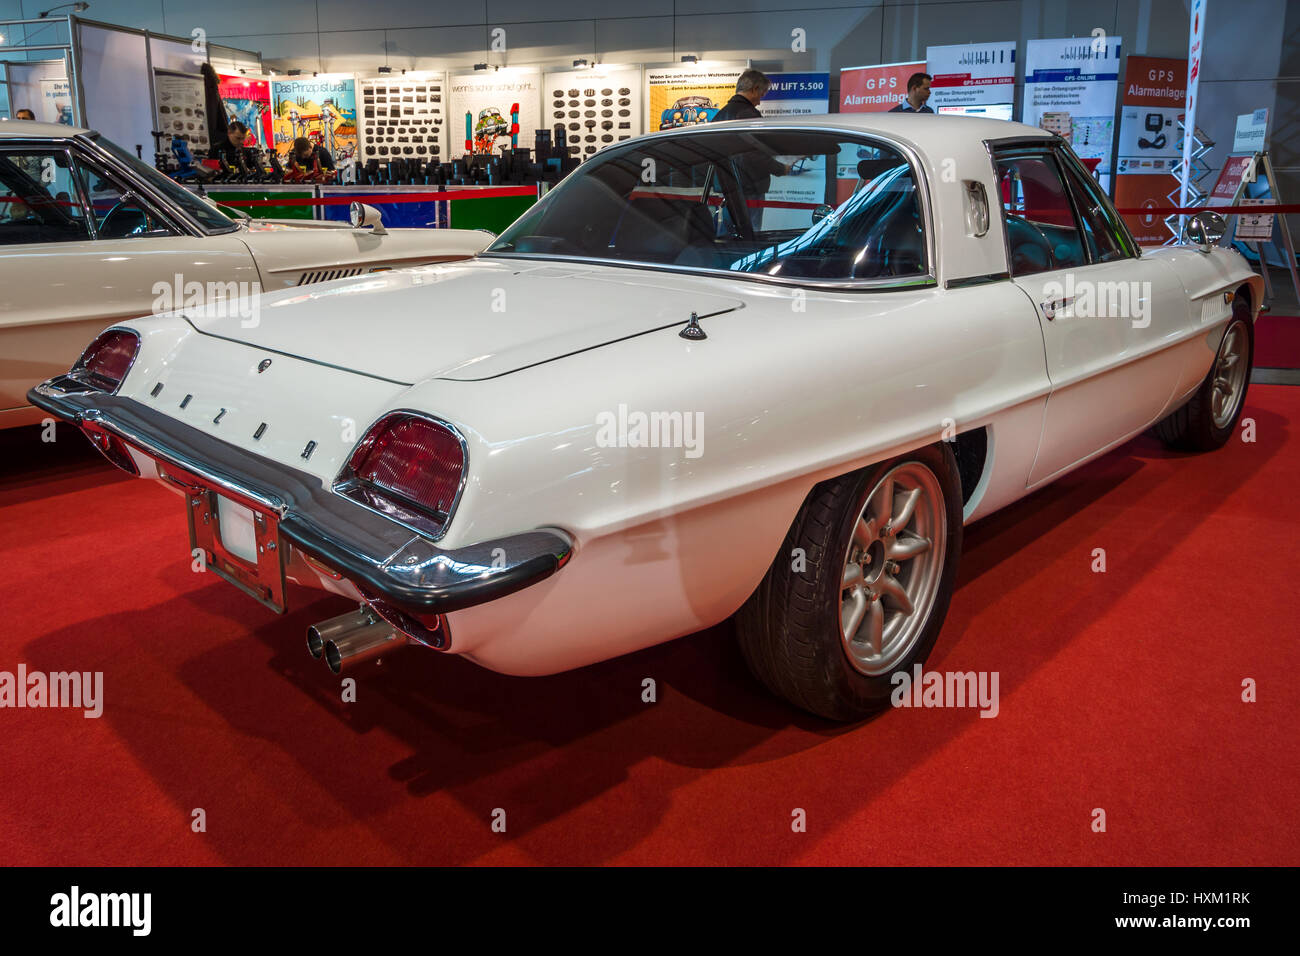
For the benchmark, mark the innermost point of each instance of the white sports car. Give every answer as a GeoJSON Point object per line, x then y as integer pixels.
{"type": "Point", "coordinates": [90, 235]}
{"type": "Point", "coordinates": [761, 368]}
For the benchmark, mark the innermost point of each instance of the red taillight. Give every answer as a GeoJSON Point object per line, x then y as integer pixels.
{"type": "Point", "coordinates": [407, 462]}
{"type": "Point", "coordinates": [107, 360]}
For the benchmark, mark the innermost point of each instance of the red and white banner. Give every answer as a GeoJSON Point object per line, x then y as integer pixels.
{"type": "Point", "coordinates": [876, 89]}
{"type": "Point", "coordinates": [1194, 46]}
{"type": "Point", "coordinates": [1151, 108]}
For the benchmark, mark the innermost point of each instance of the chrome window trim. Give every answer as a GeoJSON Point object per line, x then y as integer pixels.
{"type": "Point", "coordinates": [924, 279]}
{"type": "Point", "coordinates": [176, 214]}
{"type": "Point", "coordinates": [346, 479]}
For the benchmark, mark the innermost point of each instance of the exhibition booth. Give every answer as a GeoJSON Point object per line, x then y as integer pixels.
{"type": "Point", "coordinates": [516, 462]}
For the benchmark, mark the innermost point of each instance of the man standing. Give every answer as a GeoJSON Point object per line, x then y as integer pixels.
{"type": "Point", "coordinates": [755, 169]}
{"type": "Point", "coordinates": [918, 91]}
{"type": "Point", "coordinates": [25, 114]}
{"type": "Point", "coordinates": [750, 88]}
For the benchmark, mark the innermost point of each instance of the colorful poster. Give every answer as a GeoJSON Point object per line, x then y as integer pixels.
{"type": "Point", "coordinates": [971, 74]}
{"type": "Point", "coordinates": [249, 101]}
{"type": "Point", "coordinates": [492, 110]}
{"type": "Point", "coordinates": [405, 117]}
{"type": "Point", "coordinates": [321, 108]}
{"type": "Point", "coordinates": [56, 101]}
{"type": "Point", "coordinates": [596, 107]}
{"type": "Point", "coordinates": [181, 110]}
{"type": "Point", "coordinates": [876, 89]}
{"type": "Point", "coordinates": [1150, 143]}
{"type": "Point", "coordinates": [1070, 87]}
{"type": "Point", "coordinates": [688, 94]}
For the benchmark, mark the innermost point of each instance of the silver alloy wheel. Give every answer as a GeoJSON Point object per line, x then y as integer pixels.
{"type": "Point", "coordinates": [1229, 375]}
{"type": "Point", "coordinates": [892, 568]}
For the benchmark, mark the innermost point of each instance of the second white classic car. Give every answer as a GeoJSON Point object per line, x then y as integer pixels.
{"type": "Point", "coordinates": [684, 387]}
{"type": "Point", "coordinates": [89, 235]}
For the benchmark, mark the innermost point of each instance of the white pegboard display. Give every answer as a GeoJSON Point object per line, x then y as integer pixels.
{"type": "Point", "coordinates": [404, 117]}
{"type": "Point", "coordinates": [598, 106]}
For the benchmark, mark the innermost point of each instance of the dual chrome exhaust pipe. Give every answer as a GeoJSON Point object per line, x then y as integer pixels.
{"type": "Point", "coordinates": [352, 639]}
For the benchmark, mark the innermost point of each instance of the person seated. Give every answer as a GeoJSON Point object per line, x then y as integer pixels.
{"type": "Point", "coordinates": [233, 148]}
{"type": "Point", "coordinates": [305, 153]}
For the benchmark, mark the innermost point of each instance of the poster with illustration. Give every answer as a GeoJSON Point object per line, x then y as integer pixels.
{"type": "Point", "coordinates": [492, 110]}
{"type": "Point", "coordinates": [248, 101]}
{"type": "Point", "coordinates": [688, 94]}
{"type": "Point", "coordinates": [596, 106]}
{"type": "Point", "coordinates": [56, 101]}
{"type": "Point", "coordinates": [1150, 143]}
{"type": "Point", "coordinates": [321, 108]}
{"type": "Point", "coordinates": [1070, 87]}
{"type": "Point", "coordinates": [181, 109]}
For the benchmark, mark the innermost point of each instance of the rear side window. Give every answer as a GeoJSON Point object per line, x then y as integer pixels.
{"type": "Point", "coordinates": [39, 201]}
{"type": "Point", "coordinates": [1042, 231]}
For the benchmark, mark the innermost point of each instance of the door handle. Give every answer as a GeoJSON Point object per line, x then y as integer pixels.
{"type": "Point", "coordinates": [1050, 306]}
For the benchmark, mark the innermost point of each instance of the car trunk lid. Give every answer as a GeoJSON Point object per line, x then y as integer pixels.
{"type": "Point", "coordinates": [463, 321]}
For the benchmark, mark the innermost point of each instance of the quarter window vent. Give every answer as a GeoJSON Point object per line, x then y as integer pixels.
{"type": "Point", "coordinates": [325, 275]}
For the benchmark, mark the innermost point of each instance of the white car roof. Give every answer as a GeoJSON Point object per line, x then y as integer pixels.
{"type": "Point", "coordinates": [12, 128]}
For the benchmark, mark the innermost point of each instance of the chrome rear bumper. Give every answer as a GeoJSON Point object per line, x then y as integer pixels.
{"type": "Point", "coordinates": [384, 559]}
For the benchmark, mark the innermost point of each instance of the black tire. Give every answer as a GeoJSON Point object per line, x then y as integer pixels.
{"type": "Point", "coordinates": [790, 628]}
{"type": "Point", "coordinates": [1192, 427]}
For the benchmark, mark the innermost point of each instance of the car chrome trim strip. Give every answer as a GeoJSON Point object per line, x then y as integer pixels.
{"type": "Point", "coordinates": [977, 280]}
{"type": "Point", "coordinates": [370, 550]}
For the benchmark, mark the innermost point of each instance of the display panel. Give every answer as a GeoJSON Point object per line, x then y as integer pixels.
{"type": "Point", "coordinates": [181, 110]}
{"type": "Point", "coordinates": [688, 95]}
{"type": "Point", "coordinates": [493, 110]}
{"type": "Point", "coordinates": [323, 109]}
{"type": "Point", "coordinates": [971, 74]}
{"type": "Point", "coordinates": [597, 106]}
{"type": "Point", "coordinates": [404, 117]}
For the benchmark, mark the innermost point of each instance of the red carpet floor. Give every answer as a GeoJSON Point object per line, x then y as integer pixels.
{"type": "Point", "coordinates": [1277, 341]}
{"type": "Point", "coordinates": [1119, 691]}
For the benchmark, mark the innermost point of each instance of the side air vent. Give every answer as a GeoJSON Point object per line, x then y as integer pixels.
{"type": "Point", "coordinates": [325, 275]}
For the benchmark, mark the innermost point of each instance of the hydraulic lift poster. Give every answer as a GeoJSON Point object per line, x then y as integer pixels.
{"type": "Point", "coordinates": [322, 108]}
{"type": "Point", "coordinates": [796, 94]}
{"type": "Point", "coordinates": [1150, 143]}
{"type": "Point", "coordinates": [688, 95]}
{"type": "Point", "coordinates": [1070, 90]}
{"type": "Point", "coordinates": [492, 110]}
{"type": "Point", "coordinates": [248, 101]}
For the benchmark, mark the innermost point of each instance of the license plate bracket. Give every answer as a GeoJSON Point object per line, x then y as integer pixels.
{"type": "Point", "coordinates": [261, 579]}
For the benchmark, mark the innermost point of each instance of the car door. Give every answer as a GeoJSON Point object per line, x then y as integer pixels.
{"type": "Point", "coordinates": [1107, 315]}
{"type": "Point", "coordinates": [81, 249]}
